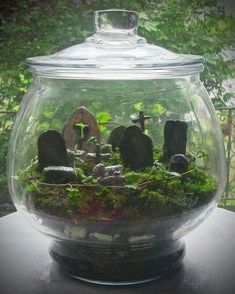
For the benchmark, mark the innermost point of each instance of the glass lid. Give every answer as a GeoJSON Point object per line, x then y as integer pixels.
{"type": "Point", "coordinates": [115, 49]}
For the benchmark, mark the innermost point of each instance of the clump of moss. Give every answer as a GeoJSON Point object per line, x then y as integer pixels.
{"type": "Point", "coordinates": [149, 193]}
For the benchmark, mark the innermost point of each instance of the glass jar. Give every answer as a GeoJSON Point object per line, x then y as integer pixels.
{"type": "Point", "coordinates": [116, 154]}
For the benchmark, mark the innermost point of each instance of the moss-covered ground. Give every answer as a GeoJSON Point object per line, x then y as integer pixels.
{"type": "Point", "coordinates": [148, 193]}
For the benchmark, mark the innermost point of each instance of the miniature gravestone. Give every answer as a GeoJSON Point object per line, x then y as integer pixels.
{"type": "Point", "coordinates": [51, 150]}
{"type": "Point", "coordinates": [79, 128]}
{"type": "Point", "coordinates": [141, 120]}
{"type": "Point", "coordinates": [136, 148]}
{"type": "Point", "coordinates": [115, 136]}
{"type": "Point", "coordinates": [179, 163]}
{"type": "Point", "coordinates": [175, 138]}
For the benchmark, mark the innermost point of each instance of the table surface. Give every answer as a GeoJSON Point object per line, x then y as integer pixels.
{"type": "Point", "coordinates": [208, 266]}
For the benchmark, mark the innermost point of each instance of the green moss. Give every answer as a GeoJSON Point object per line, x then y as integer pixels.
{"type": "Point", "coordinates": [149, 193]}
{"type": "Point", "coordinates": [90, 180]}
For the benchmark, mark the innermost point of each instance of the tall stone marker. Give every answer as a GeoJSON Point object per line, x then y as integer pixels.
{"type": "Point", "coordinates": [175, 138]}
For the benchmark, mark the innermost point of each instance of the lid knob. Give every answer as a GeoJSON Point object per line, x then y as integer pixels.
{"type": "Point", "coordinates": [116, 21]}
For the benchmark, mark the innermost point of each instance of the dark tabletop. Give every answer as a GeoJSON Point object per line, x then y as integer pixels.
{"type": "Point", "coordinates": [208, 267]}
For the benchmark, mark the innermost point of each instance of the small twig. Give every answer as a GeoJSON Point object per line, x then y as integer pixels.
{"type": "Point", "coordinates": [144, 180]}
{"type": "Point", "coordinates": [76, 185]}
{"type": "Point", "coordinates": [170, 178]}
{"type": "Point", "coordinates": [8, 112]}
{"type": "Point", "coordinates": [146, 183]}
{"type": "Point", "coordinates": [225, 108]}
{"type": "Point", "coordinates": [188, 172]}
{"type": "Point", "coordinates": [111, 123]}
{"type": "Point", "coordinates": [64, 185]}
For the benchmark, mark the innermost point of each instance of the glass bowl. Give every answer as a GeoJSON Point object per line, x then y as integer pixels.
{"type": "Point", "coordinates": [116, 154]}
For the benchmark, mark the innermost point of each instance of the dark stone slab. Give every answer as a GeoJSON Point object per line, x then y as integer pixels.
{"type": "Point", "coordinates": [136, 148]}
{"type": "Point", "coordinates": [51, 150]}
{"type": "Point", "coordinates": [115, 136]}
{"type": "Point", "coordinates": [179, 163]}
{"type": "Point", "coordinates": [175, 138]}
{"type": "Point", "coordinates": [59, 174]}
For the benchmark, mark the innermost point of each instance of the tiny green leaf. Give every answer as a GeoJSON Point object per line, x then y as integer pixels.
{"type": "Point", "coordinates": [103, 117]}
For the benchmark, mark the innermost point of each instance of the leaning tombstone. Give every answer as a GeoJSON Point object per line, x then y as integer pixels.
{"type": "Point", "coordinates": [136, 148]}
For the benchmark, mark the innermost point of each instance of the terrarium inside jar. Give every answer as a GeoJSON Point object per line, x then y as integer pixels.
{"type": "Point", "coordinates": [116, 153]}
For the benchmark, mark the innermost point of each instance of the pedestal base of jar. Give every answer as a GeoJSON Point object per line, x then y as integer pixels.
{"type": "Point", "coordinates": [117, 264]}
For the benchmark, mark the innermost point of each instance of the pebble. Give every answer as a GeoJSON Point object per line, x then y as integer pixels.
{"type": "Point", "coordinates": [101, 237]}
{"type": "Point", "coordinates": [98, 170]}
{"type": "Point", "coordinates": [179, 163]}
{"type": "Point", "coordinates": [75, 232]}
{"type": "Point", "coordinates": [134, 239]}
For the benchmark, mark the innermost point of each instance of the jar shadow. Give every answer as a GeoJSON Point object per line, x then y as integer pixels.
{"type": "Point", "coordinates": [180, 281]}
